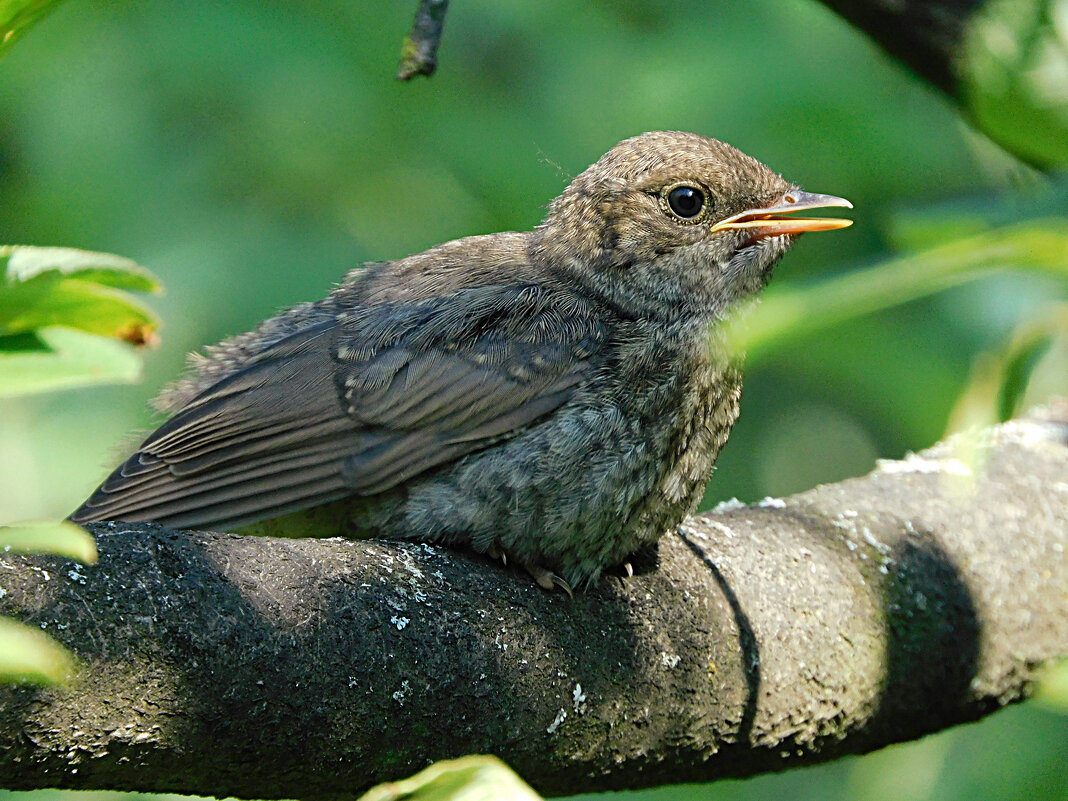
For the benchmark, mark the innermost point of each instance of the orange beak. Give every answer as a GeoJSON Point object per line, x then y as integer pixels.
{"type": "Point", "coordinates": [771, 220]}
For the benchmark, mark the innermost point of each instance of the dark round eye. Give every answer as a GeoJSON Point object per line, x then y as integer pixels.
{"type": "Point", "coordinates": [686, 201]}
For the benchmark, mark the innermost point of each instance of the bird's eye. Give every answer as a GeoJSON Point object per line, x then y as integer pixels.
{"type": "Point", "coordinates": [686, 202]}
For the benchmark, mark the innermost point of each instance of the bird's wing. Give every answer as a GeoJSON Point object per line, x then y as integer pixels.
{"type": "Point", "coordinates": [356, 406]}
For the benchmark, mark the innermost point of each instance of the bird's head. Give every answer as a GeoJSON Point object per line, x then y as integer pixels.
{"type": "Point", "coordinates": [676, 222]}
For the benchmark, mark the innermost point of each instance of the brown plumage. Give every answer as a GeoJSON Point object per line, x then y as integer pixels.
{"type": "Point", "coordinates": [558, 395]}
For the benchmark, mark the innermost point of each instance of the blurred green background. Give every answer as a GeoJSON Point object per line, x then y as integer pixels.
{"type": "Point", "coordinates": [250, 153]}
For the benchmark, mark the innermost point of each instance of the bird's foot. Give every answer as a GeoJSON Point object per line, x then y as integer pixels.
{"type": "Point", "coordinates": [495, 551]}
{"type": "Point", "coordinates": [544, 577]}
{"type": "Point", "coordinates": [548, 580]}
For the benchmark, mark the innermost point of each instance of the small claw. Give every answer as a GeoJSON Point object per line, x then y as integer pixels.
{"type": "Point", "coordinates": [559, 582]}
{"type": "Point", "coordinates": [494, 551]}
{"type": "Point", "coordinates": [628, 568]}
{"type": "Point", "coordinates": [548, 580]}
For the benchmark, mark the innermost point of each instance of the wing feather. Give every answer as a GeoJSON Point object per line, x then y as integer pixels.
{"type": "Point", "coordinates": [355, 406]}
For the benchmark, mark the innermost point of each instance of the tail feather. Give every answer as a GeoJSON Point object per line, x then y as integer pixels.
{"type": "Point", "coordinates": [241, 449]}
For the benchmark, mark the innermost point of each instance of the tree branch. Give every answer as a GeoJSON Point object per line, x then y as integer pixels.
{"type": "Point", "coordinates": [836, 621]}
{"type": "Point", "coordinates": [926, 35]}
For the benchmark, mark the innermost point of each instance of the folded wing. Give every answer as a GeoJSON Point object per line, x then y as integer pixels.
{"type": "Point", "coordinates": [357, 406]}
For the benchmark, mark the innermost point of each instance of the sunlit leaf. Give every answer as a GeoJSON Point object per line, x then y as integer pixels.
{"type": "Point", "coordinates": [49, 300]}
{"type": "Point", "coordinates": [59, 538]}
{"type": "Point", "coordinates": [27, 654]}
{"type": "Point", "coordinates": [45, 287]}
{"type": "Point", "coordinates": [1015, 76]}
{"type": "Point", "coordinates": [62, 358]}
{"type": "Point", "coordinates": [1036, 246]}
{"type": "Point", "coordinates": [995, 383]}
{"type": "Point", "coordinates": [472, 778]}
{"type": "Point", "coordinates": [23, 262]}
{"type": "Point", "coordinates": [18, 15]}
{"type": "Point", "coordinates": [1052, 688]}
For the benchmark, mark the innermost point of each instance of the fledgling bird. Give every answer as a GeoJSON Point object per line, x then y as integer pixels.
{"type": "Point", "coordinates": [558, 396]}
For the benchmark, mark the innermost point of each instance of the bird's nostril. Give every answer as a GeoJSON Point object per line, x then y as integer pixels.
{"type": "Point", "coordinates": [790, 199]}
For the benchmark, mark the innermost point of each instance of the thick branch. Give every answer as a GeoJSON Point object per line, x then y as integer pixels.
{"type": "Point", "coordinates": [926, 35]}
{"type": "Point", "coordinates": [840, 620]}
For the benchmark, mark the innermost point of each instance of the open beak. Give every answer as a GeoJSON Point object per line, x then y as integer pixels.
{"type": "Point", "coordinates": [771, 220]}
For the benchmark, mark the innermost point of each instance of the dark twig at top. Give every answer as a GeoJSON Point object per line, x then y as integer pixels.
{"type": "Point", "coordinates": [419, 51]}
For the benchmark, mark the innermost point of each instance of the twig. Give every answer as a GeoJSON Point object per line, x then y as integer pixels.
{"type": "Point", "coordinates": [419, 51]}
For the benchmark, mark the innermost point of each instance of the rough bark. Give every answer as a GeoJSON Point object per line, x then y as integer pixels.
{"type": "Point", "coordinates": [838, 620]}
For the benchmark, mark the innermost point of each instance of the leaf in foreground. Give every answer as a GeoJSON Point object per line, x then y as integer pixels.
{"type": "Point", "coordinates": [23, 262]}
{"type": "Point", "coordinates": [59, 538]}
{"type": "Point", "coordinates": [1052, 688]}
{"type": "Point", "coordinates": [44, 287]}
{"type": "Point", "coordinates": [18, 15]}
{"type": "Point", "coordinates": [62, 358]}
{"type": "Point", "coordinates": [472, 778]}
{"type": "Point", "coordinates": [27, 654]}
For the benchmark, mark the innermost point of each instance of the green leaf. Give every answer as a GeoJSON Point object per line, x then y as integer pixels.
{"type": "Point", "coordinates": [45, 287]}
{"type": "Point", "coordinates": [23, 262]}
{"type": "Point", "coordinates": [18, 15]}
{"type": "Point", "coordinates": [1015, 77]}
{"type": "Point", "coordinates": [471, 778]}
{"type": "Point", "coordinates": [48, 300]}
{"type": "Point", "coordinates": [1052, 687]}
{"type": "Point", "coordinates": [44, 292]}
{"type": "Point", "coordinates": [59, 538]}
{"type": "Point", "coordinates": [999, 376]}
{"type": "Point", "coordinates": [62, 358]}
{"type": "Point", "coordinates": [932, 224]}
{"type": "Point", "coordinates": [1037, 245]}
{"type": "Point", "coordinates": [27, 654]}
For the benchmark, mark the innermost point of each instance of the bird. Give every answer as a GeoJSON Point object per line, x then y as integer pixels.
{"type": "Point", "coordinates": [554, 397]}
